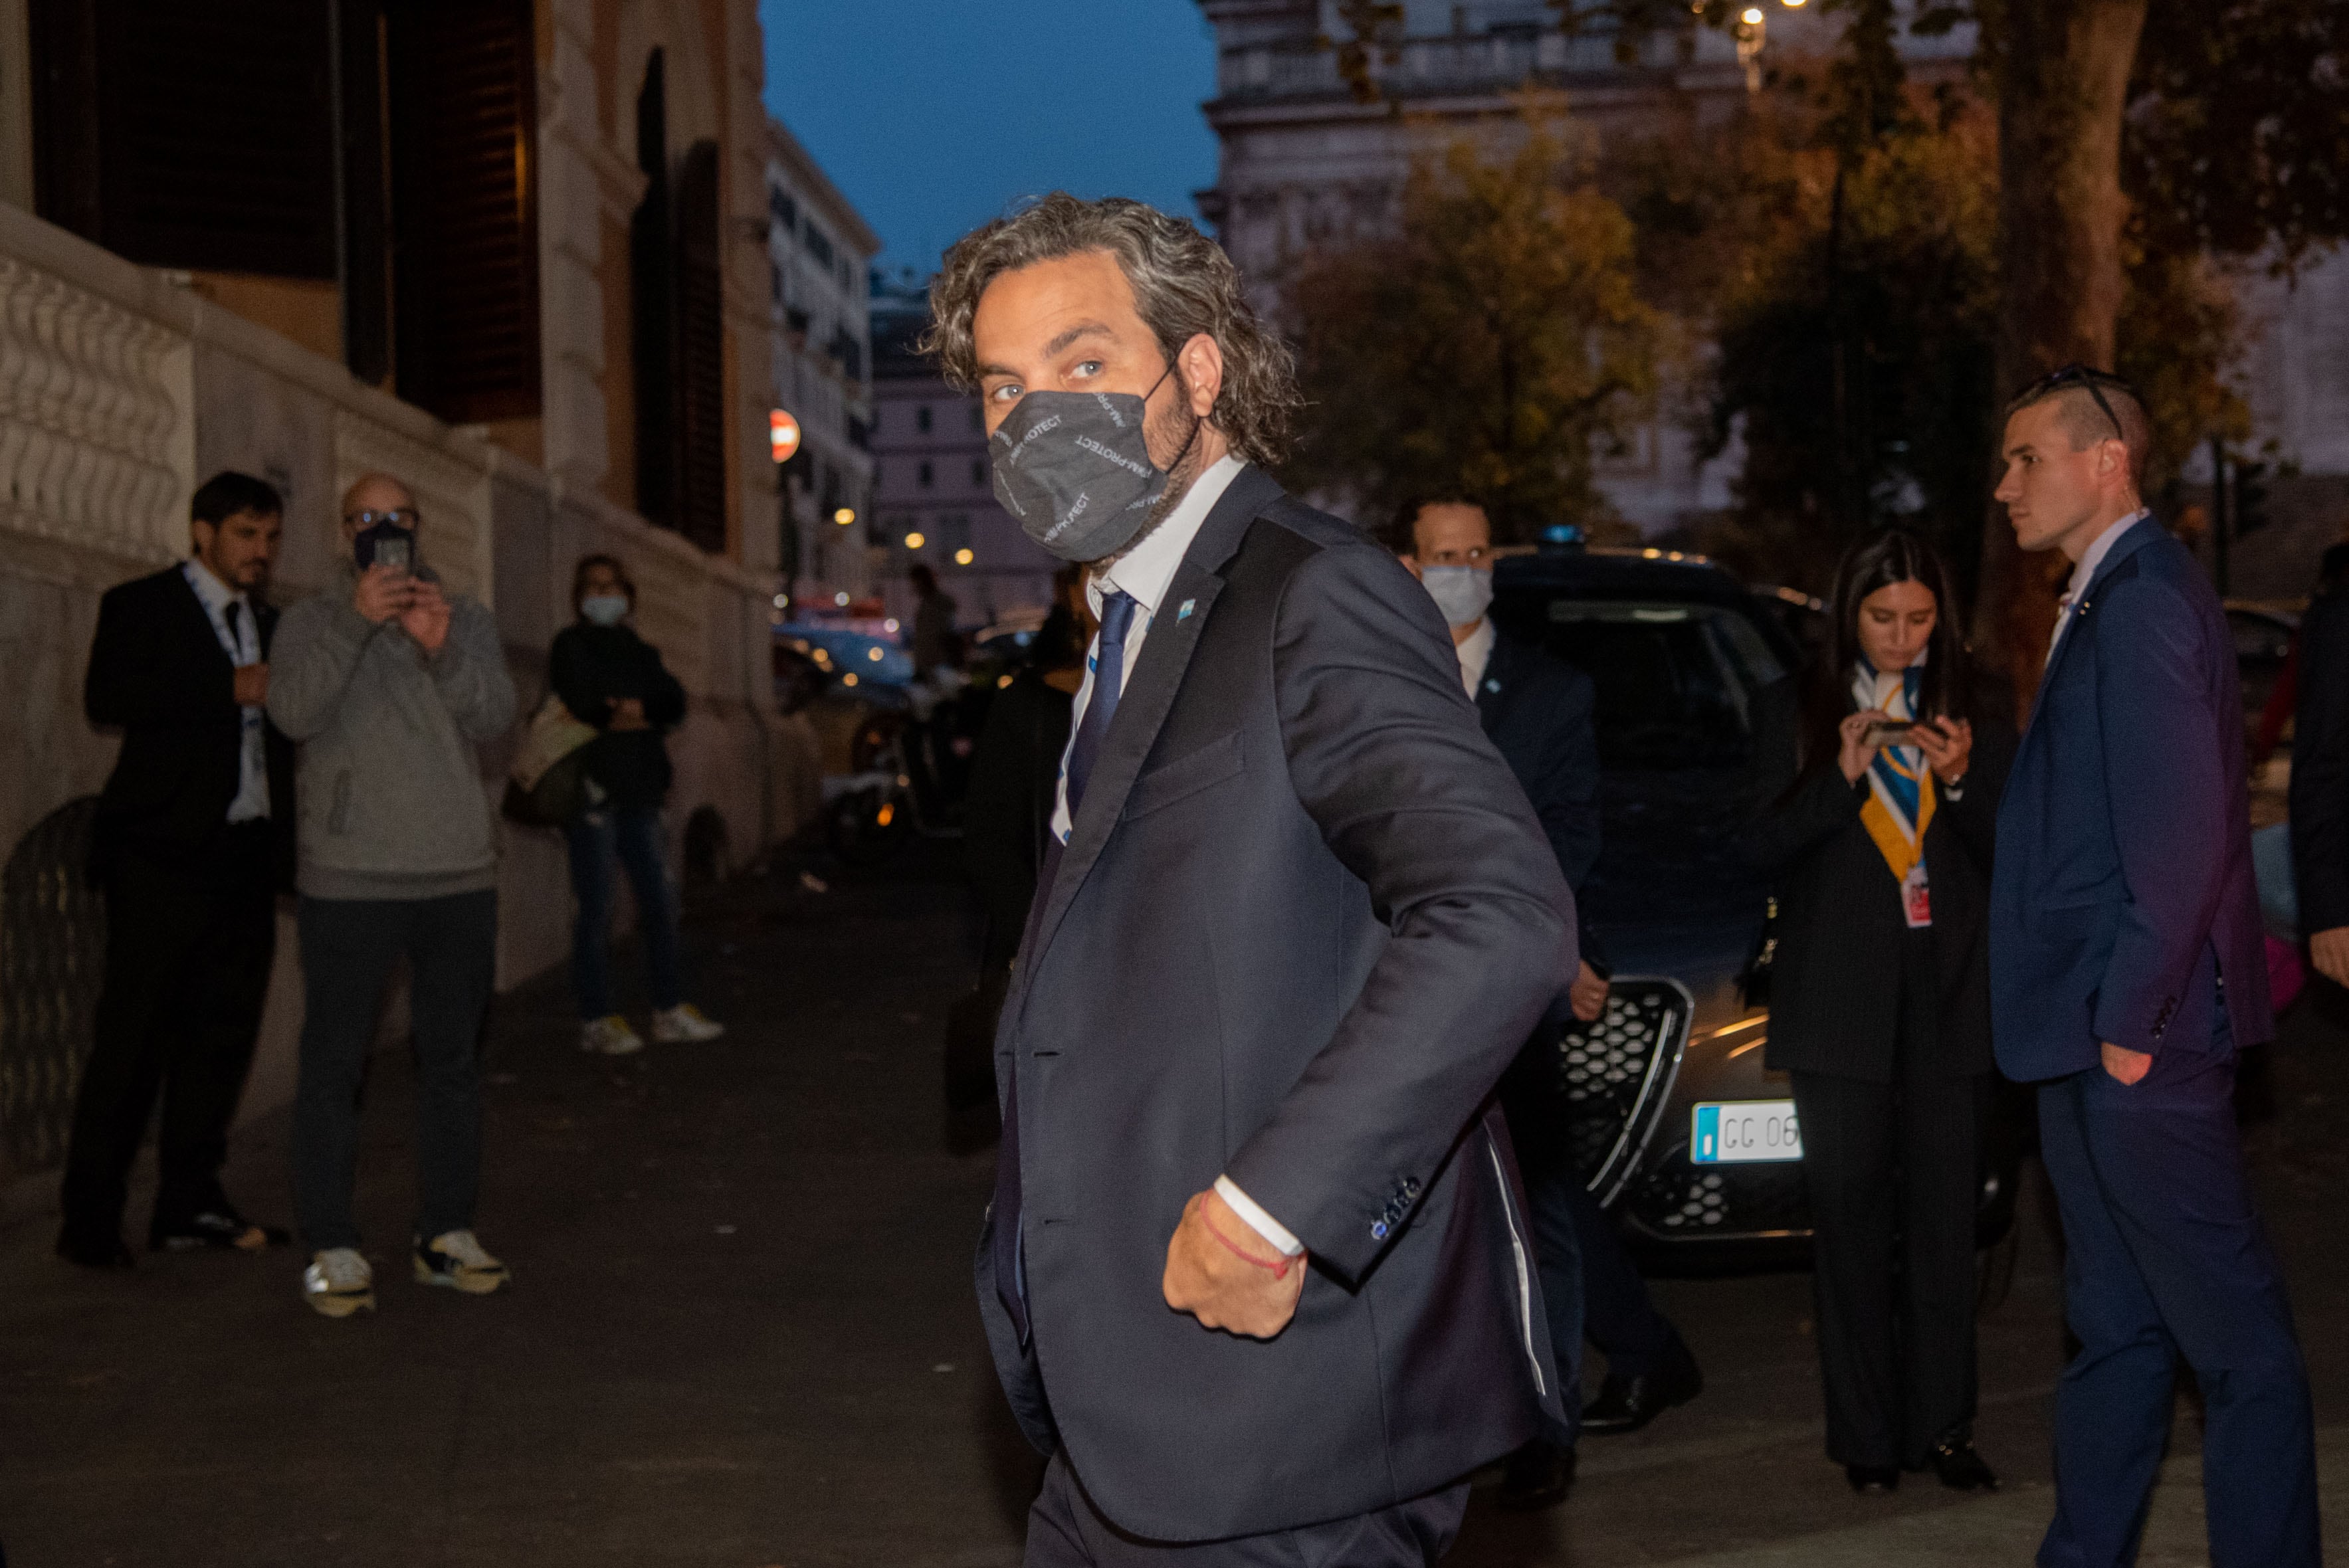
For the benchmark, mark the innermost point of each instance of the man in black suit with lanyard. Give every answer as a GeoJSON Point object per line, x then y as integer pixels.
{"type": "Point", "coordinates": [193, 833]}
{"type": "Point", "coordinates": [1256, 1273]}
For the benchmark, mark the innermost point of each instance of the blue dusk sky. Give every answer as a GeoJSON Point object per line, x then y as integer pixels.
{"type": "Point", "coordinates": [934, 116]}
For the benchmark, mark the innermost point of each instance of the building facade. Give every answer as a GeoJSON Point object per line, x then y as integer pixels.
{"type": "Point", "coordinates": [933, 492]}
{"type": "Point", "coordinates": [820, 254]}
{"type": "Point", "coordinates": [503, 249]}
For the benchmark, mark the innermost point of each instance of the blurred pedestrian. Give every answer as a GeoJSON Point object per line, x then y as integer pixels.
{"type": "Point", "coordinates": [1537, 712]}
{"type": "Point", "coordinates": [2126, 972]}
{"type": "Point", "coordinates": [191, 835]}
{"type": "Point", "coordinates": [936, 644]}
{"type": "Point", "coordinates": [612, 679]}
{"type": "Point", "coordinates": [1296, 919]}
{"type": "Point", "coordinates": [2320, 769]}
{"type": "Point", "coordinates": [388, 681]}
{"type": "Point", "coordinates": [1878, 836]}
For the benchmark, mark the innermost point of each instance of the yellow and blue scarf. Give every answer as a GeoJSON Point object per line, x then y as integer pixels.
{"type": "Point", "coordinates": [1900, 785]}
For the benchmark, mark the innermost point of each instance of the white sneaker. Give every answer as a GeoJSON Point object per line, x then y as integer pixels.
{"type": "Point", "coordinates": [683, 1024]}
{"type": "Point", "coordinates": [457, 1259]}
{"type": "Point", "coordinates": [339, 1283]}
{"type": "Point", "coordinates": [609, 1036]}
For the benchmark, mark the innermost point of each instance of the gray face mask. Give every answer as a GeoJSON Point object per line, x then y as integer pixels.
{"type": "Point", "coordinates": [1462, 592]}
{"type": "Point", "coordinates": [1075, 469]}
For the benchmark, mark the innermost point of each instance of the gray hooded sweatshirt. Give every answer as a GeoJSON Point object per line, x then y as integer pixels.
{"type": "Point", "coordinates": [392, 805]}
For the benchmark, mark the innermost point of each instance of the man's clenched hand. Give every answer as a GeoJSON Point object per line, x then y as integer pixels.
{"type": "Point", "coordinates": [1225, 1275]}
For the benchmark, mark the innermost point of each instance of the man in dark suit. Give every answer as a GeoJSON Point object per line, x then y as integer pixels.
{"type": "Point", "coordinates": [192, 836]}
{"type": "Point", "coordinates": [1537, 711]}
{"type": "Point", "coordinates": [2320, 770]}
{"type": "Point", "coordinates": [2126, 970]}
{"type": "Point", "coordinates": [1298, 918]}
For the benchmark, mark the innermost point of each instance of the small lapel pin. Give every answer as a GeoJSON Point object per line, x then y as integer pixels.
{"type": "Point", "coordinates": [1183, 611]}
{"type": "Point", "coordinates": [1492, 686]}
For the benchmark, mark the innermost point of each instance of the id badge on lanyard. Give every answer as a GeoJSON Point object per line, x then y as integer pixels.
{"type": "Point", "coordinates": [1917, 898]}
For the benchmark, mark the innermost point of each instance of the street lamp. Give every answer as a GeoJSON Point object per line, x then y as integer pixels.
{"type": "Point", "coordinates": [915, 541]}
{"type": "Point", "coordinates": [844, 516]}
{"type": "Point", "coordinates": [963, 558]}
{"type": "Point", "coordinates": [782, 435]}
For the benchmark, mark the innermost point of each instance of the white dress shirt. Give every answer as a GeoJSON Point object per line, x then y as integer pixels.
{"type": "Point", "coordinates": [243, 646]}
{"type": "Point", "coordinates": [1143, 574]}
{"type": "Point", "coordinates": [2085, 572]}
{"type": "Point", "coordinates": [1475, 654]}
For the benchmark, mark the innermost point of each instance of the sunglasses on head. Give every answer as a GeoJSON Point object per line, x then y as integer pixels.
{"type": "Point", "coordinates": [2091, 378]}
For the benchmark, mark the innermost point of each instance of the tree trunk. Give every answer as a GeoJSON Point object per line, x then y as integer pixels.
{"type": "Point", "coordinates": [2062, 83]}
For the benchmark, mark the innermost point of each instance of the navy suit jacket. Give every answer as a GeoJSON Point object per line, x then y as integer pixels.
{"type": "Point", "coordinates": [1537, 712]}
{"type": "Point", "coordinates": [2123, 883]}
{"type": "Point", "coordinates": [1303, 922]}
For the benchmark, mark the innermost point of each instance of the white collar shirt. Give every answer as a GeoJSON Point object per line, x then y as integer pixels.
{"type": "Point", "coordinates": [1475, 654]}
{"type": "Point", "coordinates": [1142, 574]}
{"type": "Point", "coordinates": [2086, 573]}
{"type": "Point", "coordinates": [243, 645]}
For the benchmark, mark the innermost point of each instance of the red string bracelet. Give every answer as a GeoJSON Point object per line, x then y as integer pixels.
{"type": "Point", "coordinates": [1279, 1270]}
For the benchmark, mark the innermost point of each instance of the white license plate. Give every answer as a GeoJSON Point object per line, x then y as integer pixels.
{"type": "Point", "coordinates": [1745, 1132]}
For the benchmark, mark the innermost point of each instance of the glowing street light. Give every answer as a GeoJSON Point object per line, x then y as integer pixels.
{"type": "Point", "coordinates": [844, 516]}
{"type": "Point", "coordinates": [915, 541]}
{"type": "Point", "coordinates": [963, 558]}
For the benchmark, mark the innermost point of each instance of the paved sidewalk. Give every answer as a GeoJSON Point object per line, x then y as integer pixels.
{"type": "Point", "coordinates": [743, 1334]}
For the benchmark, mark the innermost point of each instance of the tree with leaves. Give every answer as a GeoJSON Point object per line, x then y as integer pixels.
{"type": "Point", "coordinates": [1491, 345]}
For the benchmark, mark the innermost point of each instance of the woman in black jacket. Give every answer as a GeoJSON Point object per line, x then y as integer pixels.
{"type": "Point", "coordinates": [1877, 833]}
{"type": "Point", "coordinates": [612, 679]}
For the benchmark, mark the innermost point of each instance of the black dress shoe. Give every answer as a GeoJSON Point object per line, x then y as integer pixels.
{"type": "Point", "coordinates": [101, 1250]}
{"type": "Point", "coordinates": [1960, 1468]}
{"type": "Point", "coordinates": [1538, 1475]}
{"type": "Point", "coordinates": [1627, 1404]}
{"type": "Point", "coordinates": [223, 1227]}
{"type": "Point", "coordinates": [1872, 1480]}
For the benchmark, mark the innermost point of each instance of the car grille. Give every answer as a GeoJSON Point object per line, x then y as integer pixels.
{"type": "Point", "coordinates": [1614, 1075]}
{"type": "Point", "coordinates": [1674, 1199]}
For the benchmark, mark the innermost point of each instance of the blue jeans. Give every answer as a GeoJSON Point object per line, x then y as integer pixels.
{"type": "Point", "coordinates": [633, 838]}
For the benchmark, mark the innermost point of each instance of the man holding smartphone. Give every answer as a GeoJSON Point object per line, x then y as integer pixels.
{"type": "Point", "coordinates": [389, 681]}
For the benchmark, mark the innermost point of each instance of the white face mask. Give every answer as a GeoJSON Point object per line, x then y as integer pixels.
{"type": "Point", "coordinates": [604, 609]}
{"type": "Point", "coordinates": [1462, 592]}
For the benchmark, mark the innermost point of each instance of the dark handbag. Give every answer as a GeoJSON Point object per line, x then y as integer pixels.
{"type": "Point", "coordinates": [1756, 981]}
{"type": "Point", "coordinates": [562, 794]}
{"type": "Point", "coordinates": [971, 1042]}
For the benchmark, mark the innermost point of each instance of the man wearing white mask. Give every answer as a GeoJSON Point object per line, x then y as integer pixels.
{"type": "Point", "coordinates": [1537, 711]}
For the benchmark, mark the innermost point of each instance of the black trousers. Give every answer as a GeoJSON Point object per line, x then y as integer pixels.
{"type": "Point", "coordinates": [1893, 1173]}
{"type": "Point", "coordinates": [1066, 1530]}
{"type": "Point", "coordinates": [348, 948]}
{"type": "Point", "coordinates": [188, 949]}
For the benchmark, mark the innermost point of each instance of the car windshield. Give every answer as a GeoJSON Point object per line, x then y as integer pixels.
{"type": "Point", "coordinates": [1679, 683]}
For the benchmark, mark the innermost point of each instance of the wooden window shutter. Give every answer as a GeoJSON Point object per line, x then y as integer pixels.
{"type": "Point", "coordinates": [652, 296]}
{"type": "Point", "coordinates": [465, 207]}
{"type": "Point", "coordinates": [701, 353]}
{"type": "Point", "coordinates": [189, 136]}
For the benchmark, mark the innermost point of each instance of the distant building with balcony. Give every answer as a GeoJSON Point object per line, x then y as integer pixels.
{"type": "Point", "coordinates": [933, 492]}
{"type": "Point", "coordinates": [506, 250]}
{"type": "Point", "coordinates": [820, 256]}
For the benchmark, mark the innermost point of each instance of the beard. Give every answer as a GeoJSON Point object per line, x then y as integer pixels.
{"type": "Point", "coordinates": [1178, 428]}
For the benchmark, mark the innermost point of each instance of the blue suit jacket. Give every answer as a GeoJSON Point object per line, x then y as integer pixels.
{"type": "Point", "coordinates": [2123, 883]}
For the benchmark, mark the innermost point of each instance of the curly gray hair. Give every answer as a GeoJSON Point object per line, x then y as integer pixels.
{"type": "Point", "coordinates": [1182, 283]}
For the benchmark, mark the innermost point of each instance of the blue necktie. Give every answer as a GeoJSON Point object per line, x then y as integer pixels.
{"type": "Point", "coordinates": [1109, 676]}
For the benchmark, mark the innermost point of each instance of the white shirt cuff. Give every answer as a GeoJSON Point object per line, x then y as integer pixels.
{"type": "Point", "coordinates": [1262, 1224]}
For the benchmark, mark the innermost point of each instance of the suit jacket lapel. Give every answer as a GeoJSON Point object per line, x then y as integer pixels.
{"type": "Point", "coordinates": [1157, 677]}
{"type": "Point", "coordinates": [1492, 691]}
{"type": "Point", "coordinates": [198, 618]}
{"type": "Point", "coordinates": [2135, 536]}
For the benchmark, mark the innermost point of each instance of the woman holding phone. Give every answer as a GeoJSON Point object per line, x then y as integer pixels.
{"type": "Point", "coordinates": [1880, 803]}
